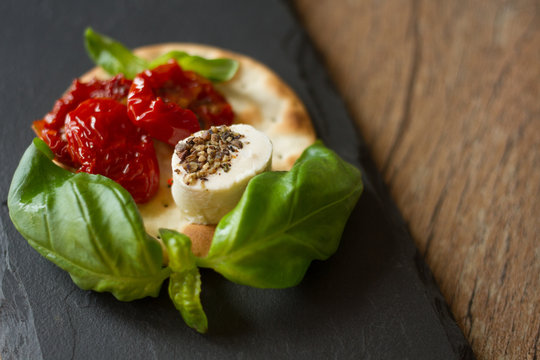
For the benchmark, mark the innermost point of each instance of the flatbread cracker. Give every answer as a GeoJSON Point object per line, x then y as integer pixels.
{"type": "Point", "coordinates": [259, 98]}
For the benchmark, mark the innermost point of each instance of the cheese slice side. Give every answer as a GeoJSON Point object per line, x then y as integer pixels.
{"type": "Point", "coordinates": [206, 201]}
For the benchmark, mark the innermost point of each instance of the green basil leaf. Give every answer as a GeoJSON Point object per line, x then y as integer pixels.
{"type": "Point", "coordinates": [112, 56]}
{"type": "Point", "coordinates": [179, 249]}
{"type": "Point", "coordinates": [213, 69]}
{"type": "Point", "coordinates": [175, 54]}
{"type": "Point", "coordinates": [86, 224]}
{"type": "Point", "coordinates": [285, 220]}
{"type": "Point", "coordinates": [184, 290]}
{"type": "Point", "coordinates": [185, 281]}
{"type": "Point", "coordinates": [115, 58]}
{"type": "Point", "coordinates": [42, 146]}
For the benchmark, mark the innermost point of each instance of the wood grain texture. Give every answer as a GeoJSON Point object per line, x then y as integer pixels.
{"type": "Point", "coordinates": [447, 96]}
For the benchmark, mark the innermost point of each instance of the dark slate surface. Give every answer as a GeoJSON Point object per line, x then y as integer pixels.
{"type": "Point", "coordinates": [374, 299]}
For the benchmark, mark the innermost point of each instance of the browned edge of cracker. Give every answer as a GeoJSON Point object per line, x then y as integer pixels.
{"type": "Point", "coordinates": [201, 238]}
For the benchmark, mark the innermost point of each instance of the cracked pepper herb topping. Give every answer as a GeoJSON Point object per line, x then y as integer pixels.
{"type": "Point", "coordinates": [203, 155]}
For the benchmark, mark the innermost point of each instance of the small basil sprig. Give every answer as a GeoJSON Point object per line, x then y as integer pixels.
{"type": "Point", "coordinates": [185, 281]}
{"type": "Point", "coordinates": [86, 224]}
{"type": "Point", "coordinates": [285, 220]}
{"type": "Point", "coordinates": [115, 58]}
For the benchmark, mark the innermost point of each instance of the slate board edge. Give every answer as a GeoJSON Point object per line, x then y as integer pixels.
{"type": "Point", "coordinates": [456, 338]}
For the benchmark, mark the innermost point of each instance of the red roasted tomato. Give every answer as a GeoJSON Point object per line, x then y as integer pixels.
{"type": "Point", "coordinates": [102, 140]}
{"type": "Point", "coordinates": [171, 104]}
{"type": "Point", "coordinates": [51, 128]}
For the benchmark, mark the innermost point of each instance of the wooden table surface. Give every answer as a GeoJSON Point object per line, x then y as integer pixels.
{"type": "Point", "coordinates": [447, 96]}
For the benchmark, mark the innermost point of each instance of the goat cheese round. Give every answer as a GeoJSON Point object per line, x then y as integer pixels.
{"type": "Point", "coordinates": [212, 168]}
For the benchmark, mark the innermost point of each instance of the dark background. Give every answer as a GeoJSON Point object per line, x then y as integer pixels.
{"type": "Point", "coordinates": [373, 299]}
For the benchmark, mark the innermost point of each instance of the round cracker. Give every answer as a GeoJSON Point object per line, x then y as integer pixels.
{"type": "Point", "coordinates": [258, 97]}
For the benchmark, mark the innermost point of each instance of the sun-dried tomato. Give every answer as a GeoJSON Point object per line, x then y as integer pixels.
{"type": "Point", "coordinates": [171, 104]}
{"type": "Point", "coordinates": [51, 127]}
{"type": "Point", "coordinates": [102, 140]}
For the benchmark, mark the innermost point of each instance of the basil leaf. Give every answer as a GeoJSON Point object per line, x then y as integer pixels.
{"type": "Point", "coordinates": [184, 290]}
{"type": "Point", "coordinates": [285, 220]}
{"type": "Point", "coordinates": [179, 249]}
{"type": "Point", "coordinates": [112, 56]}
{"type": "Point", "coordinates": [115, 58]}
{"type": "Point", "coordinates": [185, 281]}
{"type": "Point", "coordinates": [175, 54]}
{"type": "Point", "coordinates": [213, 69]}
{"type": "Point", "coordinates": [86, 224]}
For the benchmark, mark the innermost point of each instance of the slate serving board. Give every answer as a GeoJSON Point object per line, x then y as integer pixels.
{"type": "Point", "coordinates": [374, 299]}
